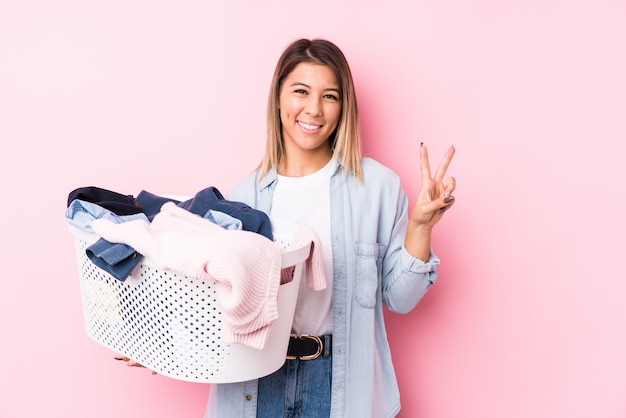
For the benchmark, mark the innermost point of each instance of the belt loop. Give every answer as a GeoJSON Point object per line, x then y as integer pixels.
{"type": "Point", "coordinates": [291, 337]}
{"type": "Point", "coordinates": [327, 345]}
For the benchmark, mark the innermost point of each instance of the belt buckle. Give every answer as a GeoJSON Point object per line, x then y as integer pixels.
{"type": "Point", "coordinates": [311, 356]}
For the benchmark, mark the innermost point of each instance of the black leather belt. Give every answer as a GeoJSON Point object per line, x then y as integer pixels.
{"type": "Point", "coordinates": [309, 347]}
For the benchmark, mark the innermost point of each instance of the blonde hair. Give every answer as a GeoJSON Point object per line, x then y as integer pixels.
{"type": "Point", "coordinates": [345, 141]}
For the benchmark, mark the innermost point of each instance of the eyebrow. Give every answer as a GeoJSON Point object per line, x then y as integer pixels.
{"type": "Point", "coordinates": [298, 83]}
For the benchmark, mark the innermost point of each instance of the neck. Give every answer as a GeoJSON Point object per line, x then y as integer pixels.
{"type": "Point", "coordinates": [303, 165]}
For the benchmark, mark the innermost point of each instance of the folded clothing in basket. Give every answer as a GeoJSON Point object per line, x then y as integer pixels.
{"type": "Point", "coordinates": [119, 260]}
{"type": "Point", "coordinates": [245, 265]}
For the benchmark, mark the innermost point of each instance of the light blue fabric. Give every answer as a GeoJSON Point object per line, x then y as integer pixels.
{"type": "Point", "coordinates": [371, 266]}
{"type": "Point", "coordinates": [224, 220]}
{"type": "Point", "coordinates": [81, 214]}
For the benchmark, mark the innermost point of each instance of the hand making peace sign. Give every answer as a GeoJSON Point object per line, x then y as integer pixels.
{"type": "Point", "coordinates": [435, 196]}
{"type": "Point", "coordinates": [434, 199]}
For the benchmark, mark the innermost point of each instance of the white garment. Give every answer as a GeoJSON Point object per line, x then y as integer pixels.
{"type": "Point", "coordinates": [306, 200]}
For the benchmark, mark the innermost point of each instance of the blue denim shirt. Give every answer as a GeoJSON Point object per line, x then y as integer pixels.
{"type": "Point", "coordinates": [371, 267]}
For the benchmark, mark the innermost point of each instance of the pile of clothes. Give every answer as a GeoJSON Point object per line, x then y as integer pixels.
{"type": "Point", "coordinates": [205, 237]}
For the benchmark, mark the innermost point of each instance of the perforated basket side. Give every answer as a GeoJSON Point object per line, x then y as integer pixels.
{"type": "Point", "coordinates": [165, 321]}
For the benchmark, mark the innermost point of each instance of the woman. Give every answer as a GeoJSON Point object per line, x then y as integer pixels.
{"type": "Point", "coordinates": [374, 251]}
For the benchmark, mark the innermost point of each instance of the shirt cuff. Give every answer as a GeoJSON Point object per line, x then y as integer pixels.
{"type": "Point", "coordinates": [416, 265]}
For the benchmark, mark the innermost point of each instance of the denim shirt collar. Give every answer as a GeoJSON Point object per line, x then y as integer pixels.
{"type": "Point", "coordinates": [272, 175]}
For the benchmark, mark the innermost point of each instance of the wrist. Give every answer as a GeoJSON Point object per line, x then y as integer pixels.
{"type": "Point", "coordinates": [417, 241]}
{"type": "Point", "coordinates": [420, 228]}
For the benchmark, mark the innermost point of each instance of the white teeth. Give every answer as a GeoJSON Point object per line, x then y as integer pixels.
{"type": "Point", "coordinates": [309, 127]}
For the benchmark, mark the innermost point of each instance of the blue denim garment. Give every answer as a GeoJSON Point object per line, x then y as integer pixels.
{"type": "Point", "coordinates": [210, 198]}
{"type": "Point", "coordinates": [308, 384]}
{"type": "Point", "coordinates": [119, 260]}
{"type": "Point", "coordinates": [371, 267]}
{"type": "Point", "coordinates": [151, 203]}
{"type": "Point", "coordinates": [205, 203]}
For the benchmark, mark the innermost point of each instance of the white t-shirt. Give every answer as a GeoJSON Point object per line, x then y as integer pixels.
{"type": "Point", "coordinates": [306, 200]}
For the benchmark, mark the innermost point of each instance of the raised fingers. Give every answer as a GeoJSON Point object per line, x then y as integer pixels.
{"type": "Point", "coordinates": [424, 164]}
{"type": "Point", "coordinates": [444, 164]}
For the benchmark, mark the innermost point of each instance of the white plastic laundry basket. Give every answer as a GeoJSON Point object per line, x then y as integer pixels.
{"type": "Point", "coordinates": [172, 324]}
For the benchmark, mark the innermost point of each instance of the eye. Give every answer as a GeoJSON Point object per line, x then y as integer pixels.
{"type": "Point", "coordinates": [300, 91]}
{"type": "Point", "coordinates": [331, 97]}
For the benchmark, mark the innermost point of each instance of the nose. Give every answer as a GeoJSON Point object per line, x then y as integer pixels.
{"type": "Point", "coordinates": [314, 106]}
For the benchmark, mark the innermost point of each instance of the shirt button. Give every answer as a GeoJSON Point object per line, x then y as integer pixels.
{"type": "Point", "coordinates": [248, 397]}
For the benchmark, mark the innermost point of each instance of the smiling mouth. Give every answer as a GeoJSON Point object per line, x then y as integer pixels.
{"type": "Point", "coordinates": [309, 127]}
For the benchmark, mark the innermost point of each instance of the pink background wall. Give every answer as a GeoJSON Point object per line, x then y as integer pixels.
{"type": "Point", "coordinates": [527, 319]}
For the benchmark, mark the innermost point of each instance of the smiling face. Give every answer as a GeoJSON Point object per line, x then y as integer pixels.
{"type": "Point", "coordinates": [310, 108]}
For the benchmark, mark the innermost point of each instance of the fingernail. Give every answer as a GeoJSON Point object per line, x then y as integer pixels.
{"type": "Point", "coordinates": [448, 199]}
{"type": "Point", "coordinates": [153, 373]}
{"type": "Point", "coordinates": [421, 144]}
{"type": "Point", "coordinates": [117, 358]}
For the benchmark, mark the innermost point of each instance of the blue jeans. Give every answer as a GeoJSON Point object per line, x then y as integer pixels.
{"type": "Point", "coordinates": [300, 388]}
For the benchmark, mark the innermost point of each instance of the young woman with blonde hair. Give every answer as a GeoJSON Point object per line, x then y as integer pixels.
{"type": "Point", "coordinates": [375, 250]}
